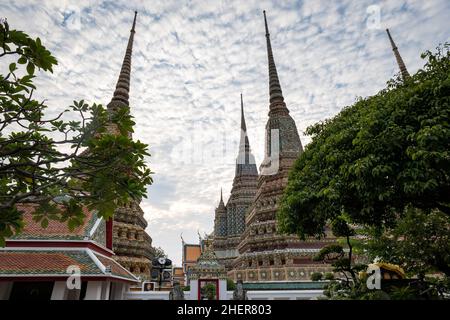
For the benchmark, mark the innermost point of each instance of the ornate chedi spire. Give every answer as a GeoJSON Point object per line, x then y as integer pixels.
{"type": "Point", "coordinates": [398, 57]}
{"type": "Point", "coordinates": [282, 139]}
{"type": "Point", "coordinates": [121, 94]}
{"type": "Point", "coordinates": [221, 203]}
{"type": "Point", "coordinates": [131, 244]}
{"type": "Point", "coordinates": [275, 93]}
{"type": "Point", "coordinates": [220, 218]}
{"type": "Point", "coordinates": [263, 254]}
{"type": "Point", "coordinates": [245, 162]}
{"type": "Point", "coordinates": [241, 196]}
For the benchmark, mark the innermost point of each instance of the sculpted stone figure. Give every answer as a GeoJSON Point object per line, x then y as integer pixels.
{"type": "Point", "coordinates": [176, 293]}
{"type": "Point", "coordinates": [239, 293]}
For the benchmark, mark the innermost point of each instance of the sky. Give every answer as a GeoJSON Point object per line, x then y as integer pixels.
{"type": "Point", "coordinates": [192, 59]}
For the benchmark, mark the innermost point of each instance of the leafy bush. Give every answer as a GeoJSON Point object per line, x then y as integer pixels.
{"type": "Point", "coordinates": [316, 276]}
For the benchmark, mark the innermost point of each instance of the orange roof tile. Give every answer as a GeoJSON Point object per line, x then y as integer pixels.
{"type": "Point", "coordinates": [45, 262]}
{"type": "Point", "coordinates": [55, 229]}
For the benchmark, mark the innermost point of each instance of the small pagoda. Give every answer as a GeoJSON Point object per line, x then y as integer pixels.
{"type": "Point", "coordinates": [208, 270]}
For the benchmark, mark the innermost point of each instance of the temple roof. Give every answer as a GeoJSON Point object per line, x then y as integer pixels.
{"type": "Point", "coordinates": [191, 252]}
{"type": "Point", "coordinates": [55, 230]}
{"type": "Point", "coordinates": [54, 263]}
{"type": "Point", "coordinates": [208, 266]}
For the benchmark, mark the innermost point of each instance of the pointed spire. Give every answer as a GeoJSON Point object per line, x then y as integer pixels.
{"type": "Point", "coordinates": [121, 94]}
{"type": "Point", "coordinates": [244, 144]}
{"type": "Point", "coordinates": [243, 126]}
{"type": "Point", "coordinates": [221, 206]}
{"type": "Point", "coordinates": [276, 95]}
{"type": "Point", "coordinates": [401, 64]}
{"type": "Point", "coordinates": [245, 162]}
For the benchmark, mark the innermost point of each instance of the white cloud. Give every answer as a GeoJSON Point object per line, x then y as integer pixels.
{"type": "Point", "coordinates": [192, 59]}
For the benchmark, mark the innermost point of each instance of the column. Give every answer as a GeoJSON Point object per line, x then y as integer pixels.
{"type": "Point", "coordinates": [193, 295]}
{"type": "Point", "coordinates": [94, 290]}
{"type": "Point", "coordinates": [59, 291]}
{"type": "Point", "coordinates": [106, 287]}
{"type": "Point", "coordinates": [222, 289]}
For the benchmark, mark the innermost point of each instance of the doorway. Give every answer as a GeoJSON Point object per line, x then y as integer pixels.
{"type": "Point", "coordinates": [208, 289]}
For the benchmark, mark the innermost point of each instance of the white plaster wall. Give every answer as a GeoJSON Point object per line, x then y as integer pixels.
{"type": "Point", "coordinates": [193, 294]}
{"type": "Point", "coordinates": [223, 290]}
{"type": "Point", "coordinates": [284, 294]}
{"type": "Point", "coordinates": [150, 295]}
{"type": "Point", "coordinates": [228, 295]}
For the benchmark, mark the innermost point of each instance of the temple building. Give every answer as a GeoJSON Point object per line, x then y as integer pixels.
{"type": "Point", "coordinates": [46, 264]}
{"type": "Point", "coordinates": [265, 255]}
{"type": "Point", "coordinates": [131, 244]}
{"type": "Point", "coordinates": [190, 253]}
{"type": "Point", "coordinates": [229, 221]}
{"type": "Point", "coordinates": [178, 276]}
{"type": "Point", "coordinates": [110, 255]}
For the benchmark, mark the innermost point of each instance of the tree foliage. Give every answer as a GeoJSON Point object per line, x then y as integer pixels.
{"type": "Point", "coordinates": [419, 243]}
{"type": "Point", "coordinates": [316, 276]}
{"type": "Point", "coordinates": [376, 157]}
{"type": "Point", "coordinates": [43, 159]}
{"type": "Point", "coordinates": [341, 256]}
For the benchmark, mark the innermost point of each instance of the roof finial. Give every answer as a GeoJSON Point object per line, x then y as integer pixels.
{"type": "Point", "coordinates": [121, 94]}
{"type": "Point", "coordinates": [276, 95]}
{"type": "Point", "coordinates": [401, 64]}
{"type": "Point", "coordinates": [182, 240]}
{"type": "Point", "coordinates": [221, 197]}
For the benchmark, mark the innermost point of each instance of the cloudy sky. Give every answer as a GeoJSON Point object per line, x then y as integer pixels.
{"type": "Point", "coordinates": [191, 61]}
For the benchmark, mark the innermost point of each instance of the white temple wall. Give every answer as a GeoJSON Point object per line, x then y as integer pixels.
{"type": "Point", "coordinates": [228, 295]}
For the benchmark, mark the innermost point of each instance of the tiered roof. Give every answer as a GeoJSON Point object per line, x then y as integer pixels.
{"type": "Point", "coordinates": [47, 253]}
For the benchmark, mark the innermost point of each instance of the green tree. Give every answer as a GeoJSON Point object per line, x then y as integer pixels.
{"type": "Point", "coordinates": [209, 290]}
{"type": "Point", "coordinates": [376, 157]}
{"type": "Point", "coordinates": [382, 164]}
{"type": "Point", "coordinates": [230, 284]}
{"type": "Point", "coordinates": [316, 276]}
{"type": "Point", "coordinates": [419, 243]}
{"type": "Point", "coordinates": [329, 276]}
{"type": "Point", "coordinates": [43, 159]}
{"type": "Point", "coordinates": [341, 256]}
